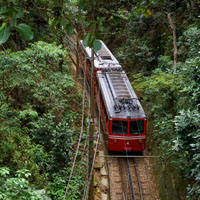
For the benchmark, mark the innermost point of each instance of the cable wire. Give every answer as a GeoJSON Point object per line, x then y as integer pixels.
{"type": "Point", "coordinates": [87, 186]}
{"type": "Point", "coordinates": [85, 195]}
{"type": "Point", "coordinates": [80, 137]}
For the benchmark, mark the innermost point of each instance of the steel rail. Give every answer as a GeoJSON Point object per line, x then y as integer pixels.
{"type": "Point", "coordinates": [124, 191]}
{"type": "Point", "coordinates": [130, 180]}
{"type": "Point", "coordinates": [129, 156]}
{"type": "Point", "coordinates": [139, 185]}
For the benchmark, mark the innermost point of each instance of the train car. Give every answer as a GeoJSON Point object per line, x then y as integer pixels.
{"type": "Point", "coordinates": [103, 60]}
{"type": "Point", "coordinates": [123, 118]}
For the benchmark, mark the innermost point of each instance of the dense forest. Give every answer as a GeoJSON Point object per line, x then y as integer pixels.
{"type": "Point", "coordinates": [156, 41]}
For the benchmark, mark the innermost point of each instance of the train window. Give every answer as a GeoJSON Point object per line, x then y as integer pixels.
{"type": "Point", "coordinates": [119, 127]}
{"type": "Point", "coordinates": [136, 127]}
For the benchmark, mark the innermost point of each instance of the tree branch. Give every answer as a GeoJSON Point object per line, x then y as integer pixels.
{"type": "Point", "coordinates": [174, 39]}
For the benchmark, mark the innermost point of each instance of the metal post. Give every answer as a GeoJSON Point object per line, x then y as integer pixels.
{"type": "Point", "coordinates": [91, 131]}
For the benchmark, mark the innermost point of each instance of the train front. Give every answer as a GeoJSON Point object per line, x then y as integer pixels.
{"type": "Point", "coordinates": [126, 118]}
{"type": "Point", "coordinates": [127, 134]}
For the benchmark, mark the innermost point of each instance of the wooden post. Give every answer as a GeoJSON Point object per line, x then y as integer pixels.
{"type": "Point", "coordinates": [91, 131]}
{"type": "Point", "coordinates": [174, 39]}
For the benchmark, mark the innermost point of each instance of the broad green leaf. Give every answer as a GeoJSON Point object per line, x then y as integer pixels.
{"type": "Point", "coordinates": [4, 35]}
{"type": "Point", "coordinates": [13, 22]}
{"type": "Point", "coordinates": [102, 19]}
{"type": "Point", "coordinates": [54, 23]}
{"type": "Point", "coordinates": [63, 22]}
{"type": "Point", "coordinates": [4, 171]}
{"type": "Point", "coordinates": [86, 39]}
{"type": "Point", "coordinates": [4, 10]}
{"type": "Point", "coordinates": [19, 14]}
{"type": "Point", "coordinates": [3, 26]}
{"type": "Point", "coordinates": [25, 31]}
{"type": "Point", "coordinates": [11, 11]}
{"type": "Point", "coordinates": [100, 27]}
{"type": "Point", "coordinates": [91, 41]}
{"type": "Point", "coordinates": [69, 29]}
{"type": "Point", "coordinates": [97, 45]}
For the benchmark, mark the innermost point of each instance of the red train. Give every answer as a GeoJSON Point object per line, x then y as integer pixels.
{"type": "Point", "coordinates": [123, 118]}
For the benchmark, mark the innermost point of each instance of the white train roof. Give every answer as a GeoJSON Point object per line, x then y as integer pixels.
{"type": "Point", "coordinates": [119, 96]}
{"type": "Point", "coordinates": [102, 58]}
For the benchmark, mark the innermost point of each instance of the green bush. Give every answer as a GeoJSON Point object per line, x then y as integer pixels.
{"type": "Point", "coordinates": [174, 103]}
{"type": "Point", "coordinates": [18, 186]}
{"type": "Point", "coordinates": [37, 117]}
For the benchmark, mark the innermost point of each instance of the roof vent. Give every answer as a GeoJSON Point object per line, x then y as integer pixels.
{"type": "Point", "coordinates": [104, 53]}
{"type": "Point", "coordinates": [106, 58]}
{"type": "Point", "coordinates": [125, 104]}
{"type": "Point", "coordinates": [123, 100]}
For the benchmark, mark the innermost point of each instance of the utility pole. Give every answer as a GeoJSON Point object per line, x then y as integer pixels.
{"type": "Point", "coordinates": [91, 131]}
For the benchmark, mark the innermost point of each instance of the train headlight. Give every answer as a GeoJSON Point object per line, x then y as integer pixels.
{"type": "Point", "coordinates": [115, 141]}
{"type": "Point", "coordinates": [127, 143]}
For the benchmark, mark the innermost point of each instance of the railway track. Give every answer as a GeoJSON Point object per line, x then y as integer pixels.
{"type": "Point", "coordinates": [129, 179]}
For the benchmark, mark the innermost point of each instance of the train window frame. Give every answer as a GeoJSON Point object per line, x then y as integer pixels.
{"type": "Point", "coordinates": [137, 123]}
{"type": "Point", "coordinates": [121, 133]}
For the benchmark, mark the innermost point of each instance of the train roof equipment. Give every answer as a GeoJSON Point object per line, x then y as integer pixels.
{"type": "Point", "coordinates": [119, 96]}
{"type": "Point", "coordinates": [103, 58]}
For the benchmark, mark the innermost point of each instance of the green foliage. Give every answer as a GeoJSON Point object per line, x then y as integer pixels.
{"type": "Point", "coordinates": [39, 104]}
{"type": "Point", "coordinates": [38, 98]}
{"type": "Point", "coordinates": [187, 144]}
{"type": "Point", "coordinates": [57, 187]}
{"type": "Point", "coordinates": [25, 31]}
{"type": "Point", "coordinates": [4, 34]}
{"type": "Point", "coordinates": [144, 34]}
{"type": "Point", "coordinates": [75, 188]}
{"type": "Point", "coordinates": [9, 18]}
{"type": "Point", "coordinates": [25, 114]}
{"type": "Point", "coordinates": [77, 16]}
{"type": "Point", "coordinates": [91, 42]}
{"type": "Point", "coordinates": [18, 187]}
{"type": "Point", "coordinates": [189, 41]}
{"type": "Point", "coordinates": [161, 90]}
{"type": "Point", "coordinates": [174, 102]}
{"type": "Point", "coordinates": [56, 139]}
{"type": "Point", "coordinates": [143, 42]}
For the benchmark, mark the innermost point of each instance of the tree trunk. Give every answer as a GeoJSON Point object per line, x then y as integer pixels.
{"type": "Point", "coordinates": [77, 56]}
{"type": "Point", "coordinates": [174, 40]}
{"type": "Point", "coordinates": [187, 4]}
